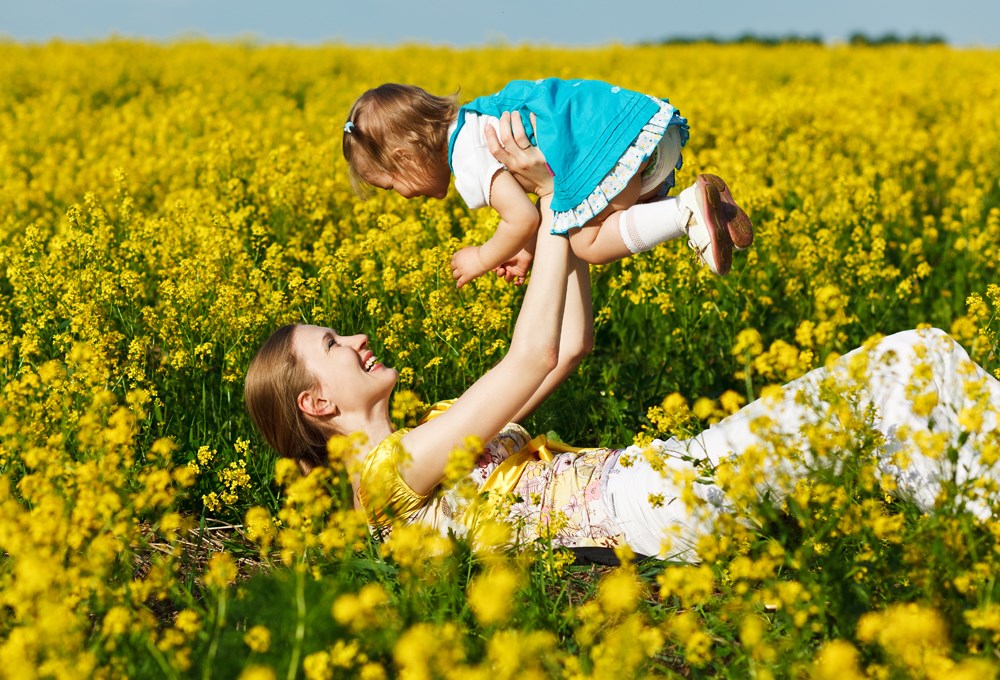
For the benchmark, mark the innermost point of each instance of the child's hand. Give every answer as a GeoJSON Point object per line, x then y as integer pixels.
{"type": "Point", "coordinates": [515, 270]}
{"type": "Point", "coordinates": [466, 265]}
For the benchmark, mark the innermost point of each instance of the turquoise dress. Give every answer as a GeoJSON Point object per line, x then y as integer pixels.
{"type": "Point", "coordinates": [588, 130]}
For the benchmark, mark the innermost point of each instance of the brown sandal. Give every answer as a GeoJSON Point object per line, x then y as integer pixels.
{"type": "Point", "coordinates": [707, 232]}
{"type": "Point", "coordinates": [738, 222]}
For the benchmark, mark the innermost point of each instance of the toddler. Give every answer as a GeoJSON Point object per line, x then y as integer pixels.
{"type": "Point", "coordinates": [612, 153]}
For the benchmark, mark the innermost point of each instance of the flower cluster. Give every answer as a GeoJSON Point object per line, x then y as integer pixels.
{"type": "Point", "coordinates": [164, 207]}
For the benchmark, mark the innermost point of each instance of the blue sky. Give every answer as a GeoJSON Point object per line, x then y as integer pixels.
{"type": "Point", "coordinates": [557, 22]}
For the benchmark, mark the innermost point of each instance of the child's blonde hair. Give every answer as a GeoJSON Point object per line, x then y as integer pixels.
{"type": "Point", "coordinates": [391, 117]}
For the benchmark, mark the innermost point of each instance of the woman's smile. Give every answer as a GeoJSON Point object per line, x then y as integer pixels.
{"type": "Point", "coordinates": [371, 363]}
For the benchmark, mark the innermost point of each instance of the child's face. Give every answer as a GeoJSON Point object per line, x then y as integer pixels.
{"type": "Point", "coordinates": [431, 181]}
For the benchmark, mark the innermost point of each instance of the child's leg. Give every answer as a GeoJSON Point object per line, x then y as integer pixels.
{"type": "Point", "coordinates": [697, 213]}
{"type": "Point", "coordinates": [634, 230]}
{"type": "Point", "coordinates": [598, 241]}
{"type": "Point", "coordinates": [627, 227]}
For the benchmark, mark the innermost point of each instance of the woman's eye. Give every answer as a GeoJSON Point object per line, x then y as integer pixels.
{"type": "Point", "coordinates": [330, 343]}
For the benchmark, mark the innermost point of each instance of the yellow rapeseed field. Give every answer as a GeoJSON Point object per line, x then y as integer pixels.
{"type": "Point", "coordinates": [164, 207]}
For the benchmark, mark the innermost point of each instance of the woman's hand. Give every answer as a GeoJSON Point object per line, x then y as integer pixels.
{"type": "Point", "coordinates": [524, 161]}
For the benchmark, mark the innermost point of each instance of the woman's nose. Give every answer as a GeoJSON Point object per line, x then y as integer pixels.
{"type": "Point", "coordinates": [359, 341]}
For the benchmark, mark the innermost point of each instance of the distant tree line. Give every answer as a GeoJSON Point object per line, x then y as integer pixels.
{"type": "Point", "coordinates": [856, 38]}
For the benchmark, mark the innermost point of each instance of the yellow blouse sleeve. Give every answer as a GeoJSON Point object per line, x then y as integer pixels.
{"type": "Point", "coordinates": [383, 493]}
{"type": "Point", "coordinates": [436, 409]}
{"type": "Point", "coordinates": [386, 497]}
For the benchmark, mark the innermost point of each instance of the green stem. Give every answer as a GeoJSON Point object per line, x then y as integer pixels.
{"type": "Point", "coordinates": [213, 647]}
{"type": "Point", "coordinates": [300, 623]}
{"type": "Point", "coordinates": [748, 379]}
{"type": "Point", "coordinates": [168, 671]}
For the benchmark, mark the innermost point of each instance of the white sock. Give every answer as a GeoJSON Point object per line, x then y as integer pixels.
{"type": "Point", "coordinates": [646, 225]}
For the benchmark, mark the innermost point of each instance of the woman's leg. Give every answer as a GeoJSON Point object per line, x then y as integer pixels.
{"type": "Point", "coordinates": [917, 382]}
{"type": "Point", "coordinates": [924, 393]}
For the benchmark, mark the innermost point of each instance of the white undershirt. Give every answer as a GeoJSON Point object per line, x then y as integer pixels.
{"type": "Point", "coordinates": [472, 163]}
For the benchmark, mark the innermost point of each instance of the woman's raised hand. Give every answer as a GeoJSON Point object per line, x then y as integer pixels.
{"type": "Point", "coordinates": [524, 161]}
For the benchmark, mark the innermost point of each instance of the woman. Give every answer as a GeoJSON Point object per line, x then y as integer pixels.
{"type": "Point", "coordinates": [308, 383]}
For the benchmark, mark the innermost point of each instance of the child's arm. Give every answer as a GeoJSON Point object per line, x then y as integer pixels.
{"type": "Point", "coordinates": [519, 221]}
{"type": "Point", "coordinates": [509, 144]}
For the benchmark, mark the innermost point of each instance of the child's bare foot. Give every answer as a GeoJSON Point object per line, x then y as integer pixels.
{"type": "Point", "coordinates": [738, 222]}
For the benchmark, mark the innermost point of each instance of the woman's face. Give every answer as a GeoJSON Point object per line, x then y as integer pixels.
{"type": "Point", "coordinates": [347, 373]}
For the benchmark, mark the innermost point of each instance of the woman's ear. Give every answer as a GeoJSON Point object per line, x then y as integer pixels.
{"type": "Point", "coordinates": [315, 405]}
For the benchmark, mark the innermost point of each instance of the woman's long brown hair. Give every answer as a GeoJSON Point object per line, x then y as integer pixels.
{"type": "Point", "coordinates": [274, 381]}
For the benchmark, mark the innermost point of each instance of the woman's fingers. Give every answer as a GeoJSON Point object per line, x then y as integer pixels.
{"type": "Point", "coordinates": [506, 136]}
{"type": "Point", "coordinates": [495, 146]}
{"type": "Point", "coordinates": [520, 135]}
{"type": "Point", "coordinates": [511, 136]}
{"type": "Point", "coordinates": [510, 146]}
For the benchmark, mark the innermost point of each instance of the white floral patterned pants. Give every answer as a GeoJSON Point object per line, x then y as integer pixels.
{"type": "Point", "coordinates": [923, 394]}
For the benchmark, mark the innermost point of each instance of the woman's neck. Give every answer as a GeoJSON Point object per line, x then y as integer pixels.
{"type": "Point", "coordinates": [375, 431]}
{"type": "Point", "coordinates": [374, 428]}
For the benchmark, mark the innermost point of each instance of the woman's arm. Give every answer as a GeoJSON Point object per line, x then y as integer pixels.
{"type": "Point", "coordinates": [493, 400]}
{"type": "Point", "coordinates": [576, 337]}
{"type": "Point", "coordinates": [512, 148]}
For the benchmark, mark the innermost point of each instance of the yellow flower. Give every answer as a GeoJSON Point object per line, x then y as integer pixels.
{"type": "Point", "coordinates": [837, 660]}
{"type": "Point", "coordinates": [748, 342]}
{"type": "Point", "coordinates": [317, 666]}
{"type": "Point", "coordinates": [360, 610]}
{"type": "Point", "coordinates": [221, 570]}
{"type": "Point", "coordinates": [257, 672]}
{"type": "Point", "coordinates": [426, 650]}
{"type": "Point", "coordinates": [619, 591]}
{"type": "Point", "coordinates": [692, 585]}
{"type": "Point", "coordinates": [491, 595]}
{"type": "Point", "coordinates": [258, 639]}
{"type": "Point", "coordinates": [188, 621]}
{"type": "Point", "coordinates": [406, 404]}
{"type": "Point", "coordinates": [259, 526]}
{"type": "Point", "coordinates": [116, 621]}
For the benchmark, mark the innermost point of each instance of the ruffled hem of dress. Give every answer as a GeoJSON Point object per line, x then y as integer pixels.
{"type": "Point", "coordinates": [626, 167]}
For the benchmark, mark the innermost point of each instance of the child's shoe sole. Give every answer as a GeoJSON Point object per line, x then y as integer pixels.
{"type": "Point", "coordinates": [737, 221]}
{"type": "Point", "coordinates": [709, 237]}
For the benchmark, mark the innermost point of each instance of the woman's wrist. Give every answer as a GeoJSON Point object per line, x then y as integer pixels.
{"type": "Point", "coordinates": [546, 187]}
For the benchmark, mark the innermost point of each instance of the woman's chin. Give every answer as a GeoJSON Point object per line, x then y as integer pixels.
{"type": "Point", "coordinates": [390, 372]}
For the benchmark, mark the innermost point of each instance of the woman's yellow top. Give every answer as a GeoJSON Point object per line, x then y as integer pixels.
{"type": "Point", "coordinates": [386, 497]}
